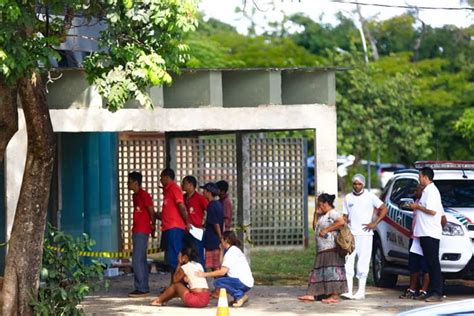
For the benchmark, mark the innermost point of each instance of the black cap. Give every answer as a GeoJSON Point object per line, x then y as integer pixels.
{"type": "Point", "coordinates": [211, 187]}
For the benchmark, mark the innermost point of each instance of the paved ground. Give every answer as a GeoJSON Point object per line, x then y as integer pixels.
{"type": "Point", "coordinates": [264, 300]}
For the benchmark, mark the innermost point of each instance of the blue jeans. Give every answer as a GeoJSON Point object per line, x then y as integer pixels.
{"type": "Point", "coordinates": [233, 286]}
{"type": "Point", "coordinates": [139, 262]}
{"type": "Point", "coordinates": [173, 244]}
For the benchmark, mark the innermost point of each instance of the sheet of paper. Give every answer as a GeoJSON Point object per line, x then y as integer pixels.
{"type": "Point", "coordinates": [196, 232]}
{"type": "Point", "coordinates": [416, 247]}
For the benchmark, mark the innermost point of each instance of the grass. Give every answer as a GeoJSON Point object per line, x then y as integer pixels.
{"type": "Point", "coordinates": [282, 267]}
{"type": "Point", "coordinates": [286, 267]}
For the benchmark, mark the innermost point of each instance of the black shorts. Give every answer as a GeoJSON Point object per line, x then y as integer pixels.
{"type": "Point", "coordinates": [416, 263]}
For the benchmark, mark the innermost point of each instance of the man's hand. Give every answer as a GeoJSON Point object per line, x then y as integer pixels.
{"type": "Point", "coordinates": [323, 233]}
{"type": "Point", "coordinates": [368, 227]}
{"type": "Point", "coordinates": [414, 206]}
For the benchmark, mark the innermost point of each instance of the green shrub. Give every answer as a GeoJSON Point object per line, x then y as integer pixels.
{"type": "Point", "coordinates": [66, 278]}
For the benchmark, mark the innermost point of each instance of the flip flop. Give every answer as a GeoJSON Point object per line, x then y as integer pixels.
{"type": "Point", "coordinates": [306, 298]}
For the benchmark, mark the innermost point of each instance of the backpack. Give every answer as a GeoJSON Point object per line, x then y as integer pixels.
{"type": "Point", "coordinates": [345, 241]}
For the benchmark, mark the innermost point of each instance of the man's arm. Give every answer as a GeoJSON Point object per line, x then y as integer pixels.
{"type": "Point", "coordinates": [221, 272]}
{"type": "Point", "coordinates": [218, 231]}
{"type": "Point", "coordinates": [381, 213]}
{"type": "Point", "coordinates": [151, 211]}
{"type": "Point", "coordinates": [184, 214]}
{"type": "Point", "coordinates": [416, 206]}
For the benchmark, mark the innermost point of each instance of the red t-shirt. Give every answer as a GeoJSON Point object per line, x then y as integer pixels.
{"type": "Point", "coordinates": [196, 207]}
{"type": "Point", "coordinates": [141, 217]}
{"type": "Point", "coordinates": [170, 216]}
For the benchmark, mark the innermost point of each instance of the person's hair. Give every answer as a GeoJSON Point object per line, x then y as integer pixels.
{"type": "Point", "coordinates": [428, 172]}
{"type": "Point", "coordinates": [190, 179]}
{"type": "Point", "coordinates": [223, 185]}
{"type": "Point", "coordinates": [136, 176]}
{"type": "Point", "coordinates": [168, 172]}
{"type": "Point", "coordinates": [191, 253]}
{"type": "Point", "coordinates": [327, 198]}
{"type": "Point", "coordinates": [230, 237]}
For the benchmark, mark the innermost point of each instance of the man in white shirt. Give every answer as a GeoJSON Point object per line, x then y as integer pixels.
{"type": "Point", "coordinates": [358, 209]}
{"type": "Point", "coordinates": [428, 228]}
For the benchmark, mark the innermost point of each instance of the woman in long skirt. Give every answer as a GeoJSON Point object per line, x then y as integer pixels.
{"type": "Point", "coordinates": [328, 276]}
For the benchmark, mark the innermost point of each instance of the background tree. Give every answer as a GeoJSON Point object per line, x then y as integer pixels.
{"type": "Point", "coordinates": [143, 39]}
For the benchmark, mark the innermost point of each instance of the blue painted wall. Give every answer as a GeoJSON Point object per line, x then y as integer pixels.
{"type": "Point", "coordinates": [89, 187]}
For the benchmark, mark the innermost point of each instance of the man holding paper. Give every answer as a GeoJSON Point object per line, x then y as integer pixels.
{"type": "Point", "coordinates": [428, 228]}
{"type": "Point", "coordinates": [195, 207]}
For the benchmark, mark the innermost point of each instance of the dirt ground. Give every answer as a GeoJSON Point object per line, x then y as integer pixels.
{"type": "Point", "coordinates": [264, 300]}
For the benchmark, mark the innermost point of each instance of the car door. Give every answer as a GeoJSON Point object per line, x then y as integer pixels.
{"type": "Point", "coordinates": [400, 221]}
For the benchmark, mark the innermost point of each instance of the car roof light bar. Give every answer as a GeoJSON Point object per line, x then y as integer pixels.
{"type": "Point", "coordinates": [448, 165]}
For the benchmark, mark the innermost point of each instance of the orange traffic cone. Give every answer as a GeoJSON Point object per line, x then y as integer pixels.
{"type": "Point", "coordinates": [222, 305]}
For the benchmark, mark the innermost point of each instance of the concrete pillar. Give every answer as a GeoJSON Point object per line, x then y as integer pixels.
{"type": "Point", "coordinates": [15, 158]}
{"type": "Point", "coordinates": [325, 149]}
{"type": "Point", "coordinates": [243, 188]}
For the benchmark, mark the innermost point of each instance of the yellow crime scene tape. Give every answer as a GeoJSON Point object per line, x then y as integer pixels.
{"type": "Point", "coordinates": [107, 254]}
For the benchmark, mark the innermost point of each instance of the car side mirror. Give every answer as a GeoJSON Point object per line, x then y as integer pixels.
{"type": "Point", "coordinates": [405, 202]}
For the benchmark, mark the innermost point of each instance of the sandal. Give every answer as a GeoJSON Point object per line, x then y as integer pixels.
{"type": "Point", "coordinates": [306, 298]}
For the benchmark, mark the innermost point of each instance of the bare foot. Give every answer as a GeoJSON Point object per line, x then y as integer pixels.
{"type": "Point", "coordinates": [306, 298]}
{"type": "Point", "coordinates": [157, 302]}
{"type": "Point", "coordinates": [330, 300]}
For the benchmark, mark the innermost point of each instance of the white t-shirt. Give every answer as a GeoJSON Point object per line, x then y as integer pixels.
{"type": "Point", "coordinates": [194, 281]}
{"type": "Point", "coordinates": [429, 225]}
{"type": "Point", "coordinates": [235, 261]}
{"type": "Point", "coordinates": [360, 210]}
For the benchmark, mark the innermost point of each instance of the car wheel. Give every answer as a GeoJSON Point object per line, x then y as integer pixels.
{"type": "Point", "coordinates": [379, 266]}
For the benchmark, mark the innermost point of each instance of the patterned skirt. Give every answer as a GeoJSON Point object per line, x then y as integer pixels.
{"type": "Point", "coordinates": [213, 259]}
{"type": "Point", "coordinates": [328, 275]}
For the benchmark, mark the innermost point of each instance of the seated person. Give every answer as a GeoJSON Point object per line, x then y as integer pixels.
{"type": "Point", "coordinates": [234, 275]}
{"type": "Point", "coordinates": [186, 284]}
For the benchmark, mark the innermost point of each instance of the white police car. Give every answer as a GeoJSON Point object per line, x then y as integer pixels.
{"type": "Point", "coordinates": [455, 181]}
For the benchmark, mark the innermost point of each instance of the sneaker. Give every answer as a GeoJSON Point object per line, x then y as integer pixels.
{"type": "Point", "coordinates": [409, 294]}
{"type": "Point", "coordinates": [422, 295]}
{"type": "Point", "coordinates": [138, 293]}
{"type": "Point", "coordinates": [434, 298]}
{"type": "Point", "coordinates": [241, 301]}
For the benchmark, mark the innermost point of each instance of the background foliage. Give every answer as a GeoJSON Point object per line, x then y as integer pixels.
{"type": "Point", "coordinates": [401, 108]}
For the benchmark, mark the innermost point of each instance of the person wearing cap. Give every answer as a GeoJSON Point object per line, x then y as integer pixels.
{"type": "Point", "coordinates": [358, 210]}
{"type": "Point", "coordinates": [174, 219]}
{"type": "Point", "coordinates": [214, 226]}
{"type": "Point", "coordinates": [196, 205]}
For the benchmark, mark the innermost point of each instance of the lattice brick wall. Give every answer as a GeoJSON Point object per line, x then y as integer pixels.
{"type": "Point", "coordinates": [145, 153]}
{"type": "Point", "coordinates": [277, 191]}
{"type": "Point", "coordinates": [276, 171]}
{"type": "Point", "coordinates": [209, 160]}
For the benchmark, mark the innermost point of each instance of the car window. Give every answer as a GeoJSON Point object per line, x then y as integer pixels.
{"type": "Point", "coordinates": [456, 193]}
{"type": "Point", "coordinates": [385, 190]}
{"type": "Point", "coordinates": [403, 188]}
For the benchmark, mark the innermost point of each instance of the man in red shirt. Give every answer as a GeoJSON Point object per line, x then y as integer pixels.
{"type": "Point", "coordinates": [174, 219]}
{"type": "Point", "coordinates": [143, 225]}
{"type": "Point", "coordinates": [226, 203]}
{"type": "Point", "coordinates": [196, 207]}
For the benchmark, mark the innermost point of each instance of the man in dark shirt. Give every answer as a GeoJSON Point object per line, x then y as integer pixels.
{"type": "Point", "coordinates": [214, 226]}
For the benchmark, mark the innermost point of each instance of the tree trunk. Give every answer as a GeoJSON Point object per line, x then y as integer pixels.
{"type": "Point", "coordinates": [25, 251]}
{"type": "Point", "coordinates": [8, 115]}
{"type": "Point", "coordinates": [365, 28]}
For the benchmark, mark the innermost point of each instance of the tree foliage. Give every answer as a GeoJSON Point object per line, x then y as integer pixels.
{"type": "Point", "coordinates": [141, 41]}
